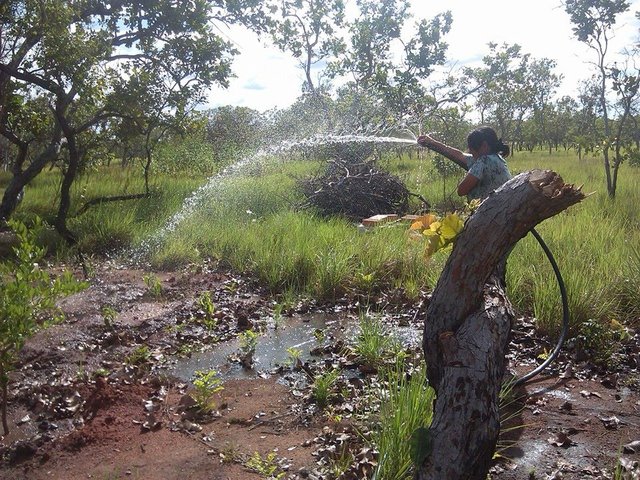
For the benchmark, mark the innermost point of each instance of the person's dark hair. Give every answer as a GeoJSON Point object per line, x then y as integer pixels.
{"type": "Point", "coordinates": [488, 134]}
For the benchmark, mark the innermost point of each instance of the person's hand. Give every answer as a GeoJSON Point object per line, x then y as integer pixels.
{"type": "Point", "coordinates": [424, 140]}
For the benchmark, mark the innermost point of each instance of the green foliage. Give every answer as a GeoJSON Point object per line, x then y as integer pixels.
{"type": "Point", "coordinates": [209, 309]}
{"type": "Point", "coordinates": [512, 85]}
{"type": "Point", "coordinates": [405, 414]}
{"type": "Point", "coordinates": [27, 298]}
{"type": "Point", "coordinates": [206, 384]}
{"type": "Point", "coordinates": [277, 315]}
{"type": "Point", "coordinates": [189, 156]}
{"type": "Point", "coordinates": [174, 255]}
{"type": "Point", "coordinates": [600, 341]}
{"type": "Point", "coordinates": [139, 357]}
{"type": "Point", "coordinates": [296, 253]}
{"type": "Point", "coordinates": [308, 31]}
{"type": "Point", "coordinates": [233, 132]}
{"type": "Point", "coordinates": [594, 24]}
{"type": "Point", "coordinates": [592, 18]}
{"type": "Point", "coordinates": [374, 341]}
{"type": "Point", "coordinates": [266, 466]}
{"type": "Point", "coordinates": [319, 334]}
{"type": "Point", "coordinates": [511, 407]}
{"type": "Point", "coordinates": [109, 315]}
{"type": "Point", "coordinates": [440, 233]}
{"type": "Point", "coordinates": [626, 290]}
{"type": "Point", "coordinates": [293, 356]}
{"type": "Point", "coordinates": [322, 388]}
{"type": "Point", "coordinates": [633, 157]}
{"type": "Point", "coordinates": [380, 27]}
{"type": "Point", "coordinates": [248, 341]}
{"type": "Point", "coordinates": [340, 463]}
{"type": "Point", "coordinates": [445, 167]}
{"type": "Point", "coordinates": [108, 77]}
{"type": "Point", "coordinates": [154, 285]}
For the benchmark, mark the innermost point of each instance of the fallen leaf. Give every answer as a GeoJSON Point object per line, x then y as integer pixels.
{"type": "Point", "coordinates": [591, 470]}
{"type": "Point", "coordinates": [151, 423]}
{"type": "Point", "coordinates": [24, 419]}
{"type": "Point", "coordinates": [633, 447]}
{"type": "Point", "coordinates": [561, 440]}
{"type": "Point", "coordinates": [586, 394]}
{"type": "Point", "coordinates": [611, 422]}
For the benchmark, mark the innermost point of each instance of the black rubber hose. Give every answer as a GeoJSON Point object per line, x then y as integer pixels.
{"type": "Point", "coordinates": [565, 313]}
{"type": "Point", "coordinates": [563, 296]}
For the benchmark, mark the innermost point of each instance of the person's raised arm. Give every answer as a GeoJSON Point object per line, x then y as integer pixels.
{"type": "Point", "coordinates": [451, 153]}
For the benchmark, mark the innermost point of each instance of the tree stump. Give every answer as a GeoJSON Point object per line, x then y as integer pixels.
{"type": "Point", "coordinates": [468, 324]}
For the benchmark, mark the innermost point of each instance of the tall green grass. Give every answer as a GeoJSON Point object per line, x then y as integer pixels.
{"type": "Point", "coordinates": [254, 224]}
{"type": "Point", "coordinates": [109, 226]}
{"type": "Point", "coordinates": [593, 243]}
{"type": "Point", "coordinates": [407, 407]}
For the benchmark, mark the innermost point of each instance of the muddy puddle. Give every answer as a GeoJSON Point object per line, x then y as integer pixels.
{"type": "Point", "coordinates": [303, 334]}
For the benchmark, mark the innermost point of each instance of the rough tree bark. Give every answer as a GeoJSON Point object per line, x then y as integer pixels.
{"type": "Point", "coordinates": [22, 177]}
{"type": "Point", "coordinates": [468, 324]}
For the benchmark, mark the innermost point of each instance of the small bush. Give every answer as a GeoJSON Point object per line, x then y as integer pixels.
{"type": "Point", "coordinates": [27, 300]}
{"type": "Point", "coordinates": [206, 384]}
{"type": "Point", "coordinates": [374, 342]}
{"type": "Point", "coordinates": [322, 387]}
{"type": "Point", "coordinates": [405, 413]}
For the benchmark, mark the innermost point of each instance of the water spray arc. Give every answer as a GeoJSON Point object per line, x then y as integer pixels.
{"type": "Point", "coordinates": [215, 184]}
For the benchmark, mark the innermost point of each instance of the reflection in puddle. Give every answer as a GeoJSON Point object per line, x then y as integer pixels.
{"type": "Point", "coordinates": [271, 349]}
{"type": "Point", "coordinates": [561, 394]}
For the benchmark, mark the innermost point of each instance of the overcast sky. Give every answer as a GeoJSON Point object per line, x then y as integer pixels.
{"type": "Point", "coordinates": [267, 78]}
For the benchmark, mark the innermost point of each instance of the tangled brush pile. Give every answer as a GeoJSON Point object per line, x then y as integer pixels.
{"type": "Point", "coordinates": [355, 190]}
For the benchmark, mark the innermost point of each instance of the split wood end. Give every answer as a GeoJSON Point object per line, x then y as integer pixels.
{"type": "Point", "coordinates": [551, 185]}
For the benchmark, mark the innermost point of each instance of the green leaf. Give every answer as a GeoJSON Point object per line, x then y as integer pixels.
{"type": "Point", "coordinates": [420, 445]}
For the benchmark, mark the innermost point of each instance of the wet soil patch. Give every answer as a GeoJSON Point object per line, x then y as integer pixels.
{"type": "Point", "coordinates": [102, 396]}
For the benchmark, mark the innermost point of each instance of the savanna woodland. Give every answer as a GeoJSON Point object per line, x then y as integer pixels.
{"type": "Point", "coordinates": [298, 293]}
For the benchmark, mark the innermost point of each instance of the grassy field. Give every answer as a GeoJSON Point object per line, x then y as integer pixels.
{"type": "Point", "coordinates": [252, 222]}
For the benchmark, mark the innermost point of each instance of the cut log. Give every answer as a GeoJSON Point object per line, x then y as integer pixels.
{"type": "Point", "coordinates": [468, 324]}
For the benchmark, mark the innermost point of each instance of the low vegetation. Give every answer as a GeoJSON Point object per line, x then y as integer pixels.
{"type": "Point", "coordinates": [252, 223]}
{"type": "Point", "coordinates": [27, 300]}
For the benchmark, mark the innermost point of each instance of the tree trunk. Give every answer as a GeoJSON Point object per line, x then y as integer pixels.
{"type": "Point", "coordinates": [5, 393]}
{"type": "Point", "coordinates": [468, 324]}
{"type": "Point", "coordinates": [21, 178]}
{"type": "Point", "coordinates": [65, 192]}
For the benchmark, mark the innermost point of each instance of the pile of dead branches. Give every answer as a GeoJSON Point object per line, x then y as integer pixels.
{"type": "Point", "coordinates": [355, 190]}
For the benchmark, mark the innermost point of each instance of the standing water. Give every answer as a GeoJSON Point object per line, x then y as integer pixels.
{"type": "Point", "coordinates": [276, 345]}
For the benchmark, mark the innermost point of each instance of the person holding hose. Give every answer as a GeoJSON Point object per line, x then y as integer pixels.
{"type": "Point", "coordinates": [485, 164]}
{"type": "Point", "coordinates": [486, 171]}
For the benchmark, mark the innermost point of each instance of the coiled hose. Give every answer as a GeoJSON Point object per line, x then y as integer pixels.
{"type": "Point", "coordinates": [565, 313]}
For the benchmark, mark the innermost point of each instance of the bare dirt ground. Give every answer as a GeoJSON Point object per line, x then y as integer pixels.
{"type": "Point", "coordinates": [86, 403]}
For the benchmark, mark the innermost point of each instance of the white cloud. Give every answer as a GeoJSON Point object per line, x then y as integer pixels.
{"type": "Point", "coordinates": [265, 77]}
{"type": "Point", "coordinates": [268, 78]}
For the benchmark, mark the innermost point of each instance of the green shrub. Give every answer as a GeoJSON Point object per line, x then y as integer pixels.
{"type": "Point", "coordinates": [206, 384]}
{"type": "Point", "coordinates": [322, 387]}
{"type": "Point", "coordinates": [193, 156]}
{"type": "Point", "coordinates": [374, 341]}
{"type": "Point", "coordinates": [27, 300]}
{"type": "Point", "coordinates": [154, 285]}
